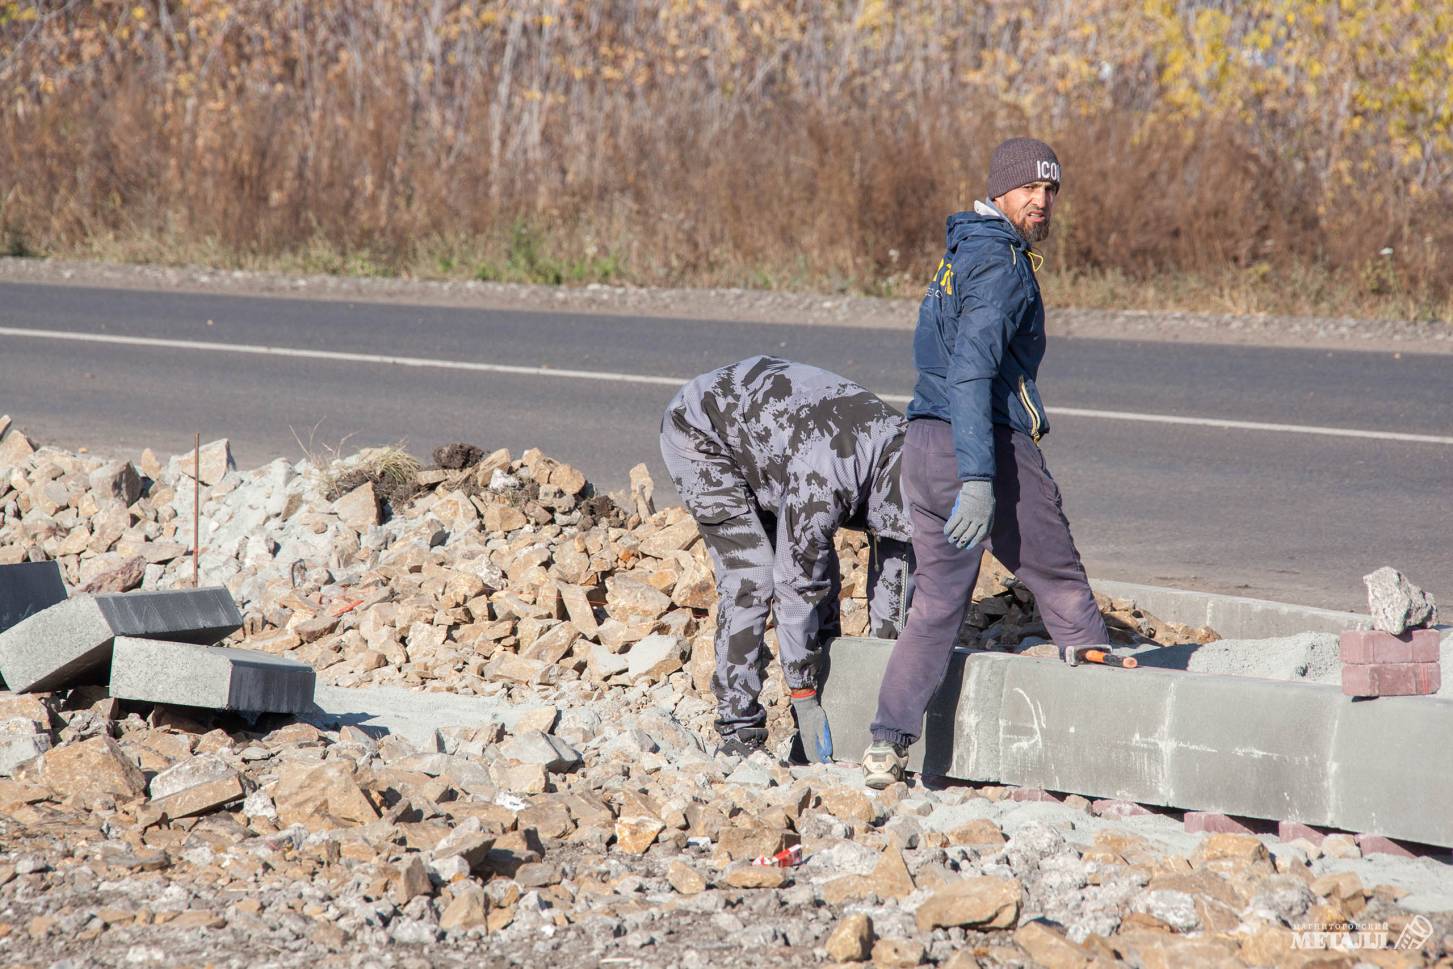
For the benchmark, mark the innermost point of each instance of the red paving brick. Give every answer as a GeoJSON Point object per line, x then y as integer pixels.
{"type": "Point", "coordinates": [1292, 830]}
{"type": "Point", "coordinates": [1198, 822]}
{"type": "Point", "coordinates": [1376, 844]}
{"type": "Point", "coordinates": [1363, 646]}
{"type": "Point", "coordinates": [1118, 809]}
{"type": "Point", "coordinates": [1391, 679]}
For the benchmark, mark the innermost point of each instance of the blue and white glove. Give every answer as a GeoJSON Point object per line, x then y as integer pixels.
{"type": "Point", "coordinates": [813, 728]}
{"type": "Point", "coordinates": [972, 515]}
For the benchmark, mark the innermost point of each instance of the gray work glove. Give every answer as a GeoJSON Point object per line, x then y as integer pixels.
{"type": "Point", "coordinates": [972, 515]}
{"type": "Point", "coordinates": [813, 729]}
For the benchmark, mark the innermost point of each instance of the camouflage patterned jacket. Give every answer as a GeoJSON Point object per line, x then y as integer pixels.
{"type": "Point", "coordinates": [813, 449]}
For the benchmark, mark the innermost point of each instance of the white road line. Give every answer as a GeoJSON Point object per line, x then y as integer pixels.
{"type": "Point", "coordinates": [1254, 425]}
{"type": "Point", "coordinates": [338, 355]}
{"type": "Point", "coordinates": [1120, 415]}
{"type": "Point", "coordinates": [631, 378]}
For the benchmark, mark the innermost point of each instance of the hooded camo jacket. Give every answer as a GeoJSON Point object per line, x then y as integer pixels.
{"type": "Point", "coordinates": [813, 449]}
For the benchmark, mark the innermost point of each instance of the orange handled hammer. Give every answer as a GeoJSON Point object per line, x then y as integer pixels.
{"type": "Point", "coordinates": [1076, 655]}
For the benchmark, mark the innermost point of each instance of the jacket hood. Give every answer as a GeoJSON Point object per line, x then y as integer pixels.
{"type": "Point", "coordinates": [985, 223]}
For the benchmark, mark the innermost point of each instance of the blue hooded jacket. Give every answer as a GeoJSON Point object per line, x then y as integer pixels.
{"type": "Point", "coordinates": [980, 339]}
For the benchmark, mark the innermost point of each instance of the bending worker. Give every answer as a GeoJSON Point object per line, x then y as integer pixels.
{"type": "Point", "coordinates": [771, 458]}
{"type": "Point", "coordinates": [973, 473]}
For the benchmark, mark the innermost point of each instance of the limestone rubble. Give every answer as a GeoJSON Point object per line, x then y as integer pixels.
{"type": "Point", "coordinates": [592, 818]}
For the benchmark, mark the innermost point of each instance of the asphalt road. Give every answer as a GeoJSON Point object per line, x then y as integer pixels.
{"type": "Point", "coordinates": [1270, 513]}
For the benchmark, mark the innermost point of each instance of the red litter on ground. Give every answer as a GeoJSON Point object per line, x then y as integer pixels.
{"type": "Point", "coordinates": [786, 858]}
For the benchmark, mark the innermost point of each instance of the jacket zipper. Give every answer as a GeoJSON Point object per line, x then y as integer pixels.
{"type": "Point", "coordinates": [1034, 420]}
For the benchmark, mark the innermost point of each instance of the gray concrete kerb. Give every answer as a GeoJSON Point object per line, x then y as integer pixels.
{"type": "Point", "coordinates": [70, 642]}
{"type": "Point", "coordinates": [1234, 617]}
{"type": "Point", "coordinates": [28, 588]}
{"type": "Point", "coordinates": [1237, 745]}
{"type": "Point", "coordinates": [216, 677]}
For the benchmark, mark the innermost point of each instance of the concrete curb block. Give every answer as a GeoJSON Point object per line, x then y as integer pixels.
{"type": "Point", "coordinates": [27, 588]}
{"type": "Point", "coordinates": [1241, 746]}
{"type": "Point", "coordinates": [1234, 617]}
{"type": "Point", "coordinates": [70, 641]}
{"type": "Point", "coordinates": [219, 677]}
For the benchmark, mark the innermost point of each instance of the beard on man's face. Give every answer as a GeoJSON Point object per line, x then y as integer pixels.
{"type": "Point", "coordinates": [1033, 231]}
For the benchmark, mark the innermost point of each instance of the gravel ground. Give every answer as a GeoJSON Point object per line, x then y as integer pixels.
{"type": "Point", "coordinates": [736, 304]}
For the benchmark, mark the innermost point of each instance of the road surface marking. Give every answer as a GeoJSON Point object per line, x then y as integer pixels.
{"type": "Point", "coordinates": [1118, 415]}
{"type": "Point", "coordinates": [337, 355]}
{"type": "Point", "coordinates": [631, 378]}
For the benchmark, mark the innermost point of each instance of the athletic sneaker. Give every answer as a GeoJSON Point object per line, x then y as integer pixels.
{"type": "Point", "coordinates": [744, 742]}
{"type": "Point", "coordinates": [883, 764]}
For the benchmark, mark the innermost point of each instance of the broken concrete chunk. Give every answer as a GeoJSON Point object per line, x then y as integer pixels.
{"type": "Point", "coordinates": [547, 750]}
{"type": "Point", "coordinates": [629, 597]}
{"type": "Point", "coordinates": [634, 834]}
{"type": "Point", "coordinates": [672, 538]}
{"type": "Point", "coordinates": [17, 749]}
{"type": "Point", "coordinates": [91, 769]}
{"type": "Point", "coordinates": [195, 786]}
{"type": "Point", "coordinates": [15, 448]}
{"type": "Point", "coordinates": [359, 508]}
{"type": "Point", "coordinates": [643, 490]}
{"type": "Point", "coordinates": [216, 461]}
{"type": "Point", "coordinates": [123, 578]}
{"type": "Point", "coordinates": [542, 718]}
{"type": "Point", "coordinates": [117, 479]}
{"type": "Point", "coordinates": [467, 911]}
{"type": "Point", "coordinates": [469, 841]}
{"type": "Point", "coordinates": [851, 940]}
{"type": "Point", "coordinates": [602, 664]}
{"type": "Point", "coordinates": [1396, 604]}
{"type": "Point", "coordinates": [983, 902]}
{"type": "Point", "coordinates": [35, 707]}
{"type": "Point", "coordinates": [321, 794]}
{"type": "Point", "coordinates": [218, 677]}
{"type": "Point", "coordinates": [685, 879]}
{"type": "Point", "coordinates": [656, 657]}
{"type": "Point", "coordinates": [578, 608]}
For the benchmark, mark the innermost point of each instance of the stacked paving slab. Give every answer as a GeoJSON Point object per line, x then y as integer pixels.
{"type": "Point", "coordinates": [1399, 655]}
{"type": "Point", "coordinates": [158, 647]}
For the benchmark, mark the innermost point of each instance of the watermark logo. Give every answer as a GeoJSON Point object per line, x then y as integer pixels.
{"type": "Point", "coordinates": [1415, 934]}
{"type": "Point", "coordinates": [1344, 937]}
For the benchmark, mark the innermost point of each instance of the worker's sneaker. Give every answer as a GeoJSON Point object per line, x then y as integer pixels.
{"type": "Point", "coordinates": [883, 764]}
{"type": "Point", "coordinates": [744, 742]}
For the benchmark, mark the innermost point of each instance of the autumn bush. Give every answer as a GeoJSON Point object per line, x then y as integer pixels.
{"type": "Point", "coordinates": [1281, 155]}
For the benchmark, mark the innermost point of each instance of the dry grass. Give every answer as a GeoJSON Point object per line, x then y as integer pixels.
{"type": "Point", "coordinates": [393, 471]}
{"type": "Point", "coordinates": [775, 144]}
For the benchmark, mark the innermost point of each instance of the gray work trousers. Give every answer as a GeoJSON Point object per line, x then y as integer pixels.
{"type": "Point", "coordinates": [742, 550]}
{"type": "Point", "coordinates": [1030, 536]}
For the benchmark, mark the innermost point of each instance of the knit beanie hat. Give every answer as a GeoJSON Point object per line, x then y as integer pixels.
{"type": "Point", "coordinates": [1020, 161]}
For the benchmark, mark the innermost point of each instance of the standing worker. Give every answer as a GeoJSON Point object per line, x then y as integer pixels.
{"type": "Point", "coordinates": [771, 458]}
{"type": "Point", "coordinates": [972, 469]}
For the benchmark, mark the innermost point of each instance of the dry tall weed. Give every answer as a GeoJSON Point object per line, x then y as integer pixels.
{"type": "Point", "coordinates": [762, 143]}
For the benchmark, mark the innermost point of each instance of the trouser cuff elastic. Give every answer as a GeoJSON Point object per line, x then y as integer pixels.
{"type": "Point", "coordinates": [894, 737]}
